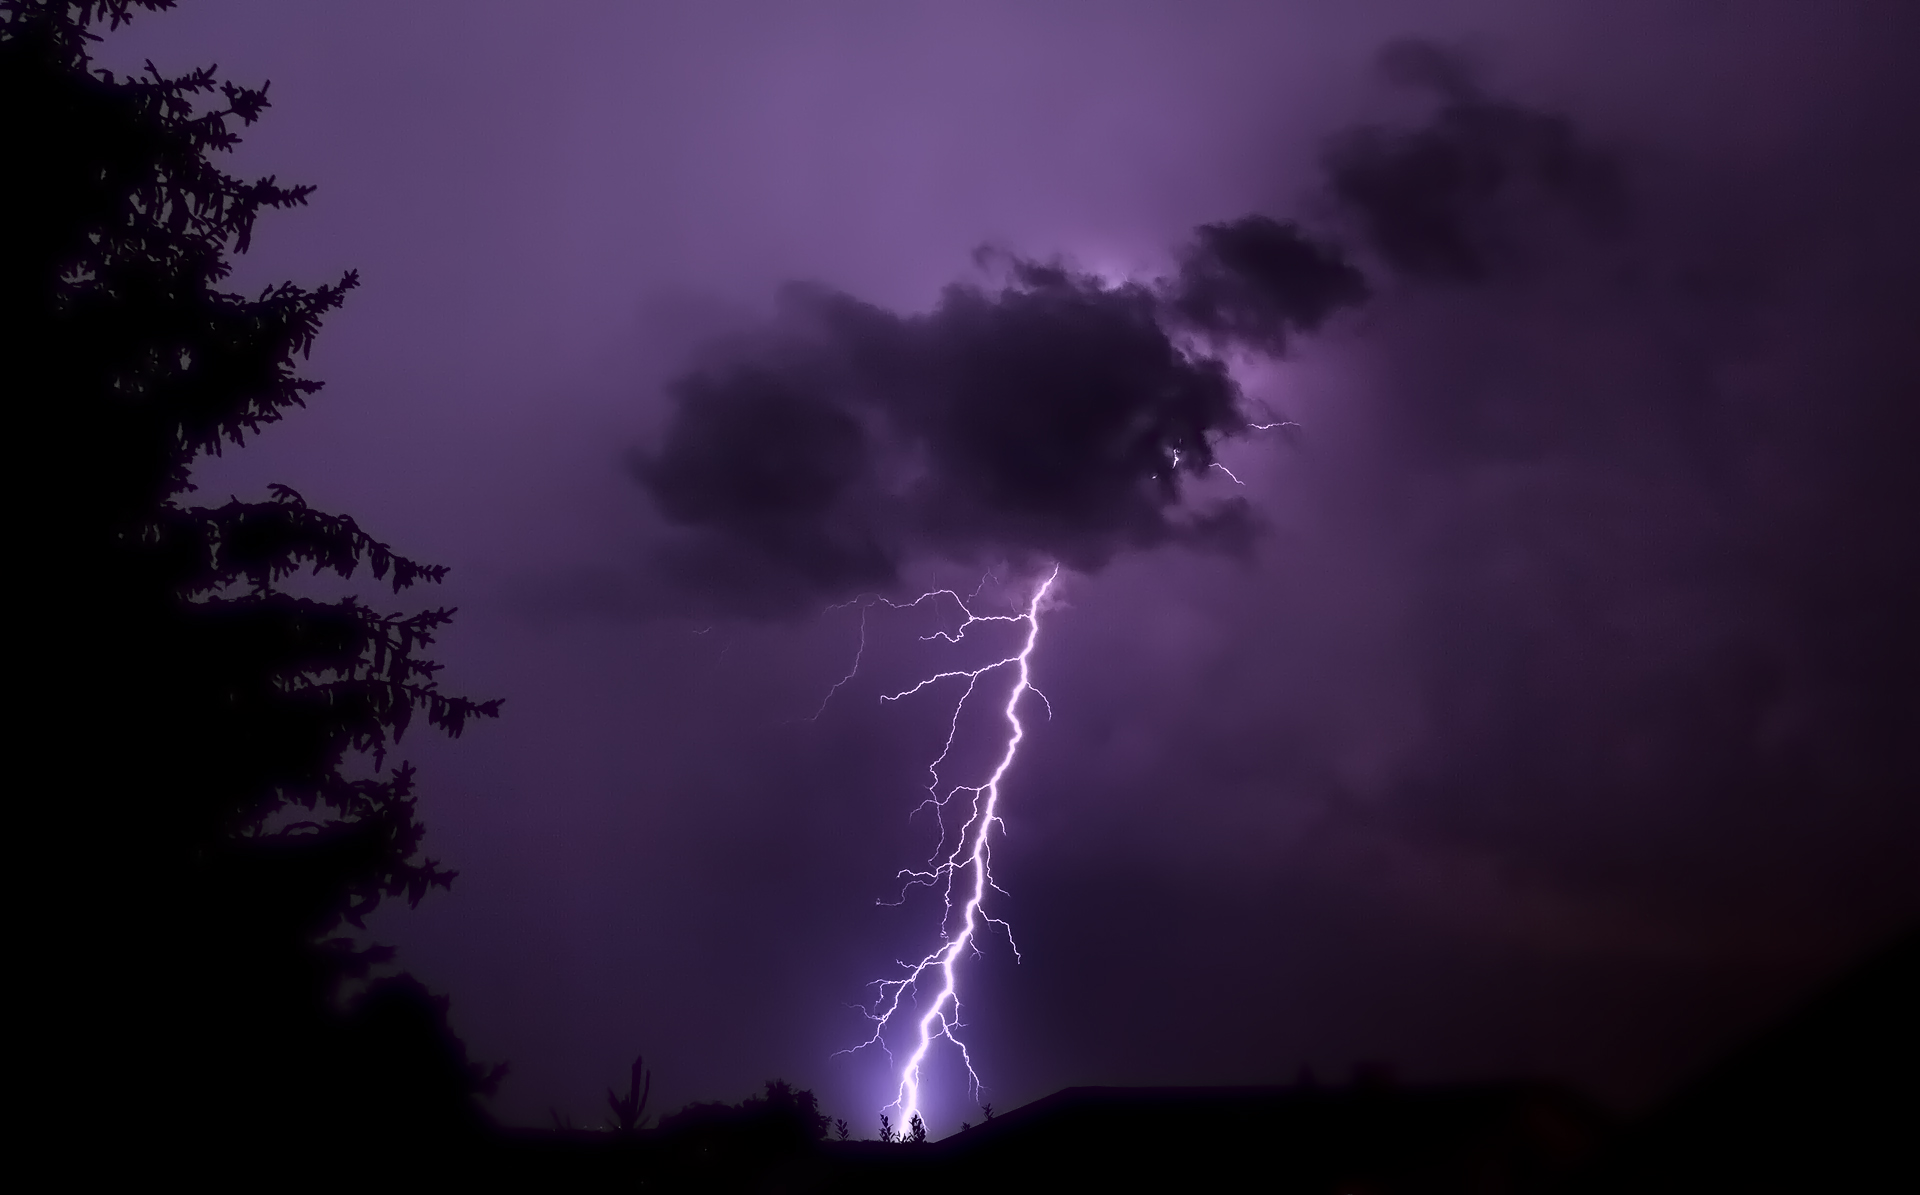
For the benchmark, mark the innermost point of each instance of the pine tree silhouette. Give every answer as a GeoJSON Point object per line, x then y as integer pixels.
{"type": "Point", "coordinates": [204, 794]}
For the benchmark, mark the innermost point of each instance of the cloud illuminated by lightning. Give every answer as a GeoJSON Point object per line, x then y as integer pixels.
{"type": "Point", "coordinates": [963, 872]}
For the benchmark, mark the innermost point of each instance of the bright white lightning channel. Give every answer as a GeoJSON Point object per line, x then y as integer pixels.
{"type": "Point", "coordinates": [969, 862]}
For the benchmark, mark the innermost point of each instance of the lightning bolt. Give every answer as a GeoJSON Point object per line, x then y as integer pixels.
{"type": "Point", "coordinates": [964, 872]}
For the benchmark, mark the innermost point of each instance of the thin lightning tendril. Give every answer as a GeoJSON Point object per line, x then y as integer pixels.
{"type": "Point", "coordinates": [1231, 476]}
{"type": "Point", "coordinates": [858, 652]}
{"type": "Point", "coordinates": [969, 861]}
{"type": "Point", "coordinates": [1216, 464]}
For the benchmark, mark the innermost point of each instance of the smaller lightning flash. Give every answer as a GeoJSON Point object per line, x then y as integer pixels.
{"type": "Point", "coordinates": [1175, 463]}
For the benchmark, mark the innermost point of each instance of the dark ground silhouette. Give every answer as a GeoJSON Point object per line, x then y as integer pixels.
{"type": "Point", "coordinates": [1824, 1101]}
{"type": "Point", "coordinates": [1828, 1100]}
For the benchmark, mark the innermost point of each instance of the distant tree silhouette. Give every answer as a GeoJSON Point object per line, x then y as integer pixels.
{"type": "Point", "coordinates": [205, 794]}
{"type": "Point", "coordinates": [796, 1106]}
{"type": "Point", "coordinates": [796, 1111]}
{"type": "Point", "coordinates": [727, 1147]}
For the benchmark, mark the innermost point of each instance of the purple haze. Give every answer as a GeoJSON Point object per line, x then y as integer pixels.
{"type": "Point", "coordinates": [1560, 722]}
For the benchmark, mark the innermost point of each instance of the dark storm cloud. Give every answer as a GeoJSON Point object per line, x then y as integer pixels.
{"type": "Point", "coordinates": [1053, 415]}
{"type": "Point", "coordinates": [1257, 281]}
{"type": "Point", "coordinates": [1442, 201]}
{"type": "Point", "coordinates": [1049, 417]}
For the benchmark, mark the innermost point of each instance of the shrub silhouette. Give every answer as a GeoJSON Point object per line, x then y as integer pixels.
{"type": "Point", "coordinates": [915, 1132]}
{"type": "Point", "coordinates": [627, 1110]}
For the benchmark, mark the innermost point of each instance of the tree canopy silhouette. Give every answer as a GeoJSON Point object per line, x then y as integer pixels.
{"type": "Point", "coordinates": [208, 792]}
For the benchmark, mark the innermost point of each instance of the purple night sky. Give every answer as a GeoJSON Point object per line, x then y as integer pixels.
{"type": "Point", "coordinates": [1559, 720]}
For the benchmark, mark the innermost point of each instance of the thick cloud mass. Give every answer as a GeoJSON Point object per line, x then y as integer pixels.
{"type": "Point", "coordinates": [1053, 416]}
{"type": "Point", "coordinates": [1257, 281]}
{"type": "Point", "coordinates": [1450, 200]}
{"type": "Point", "coordinates": [1050, 418]}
